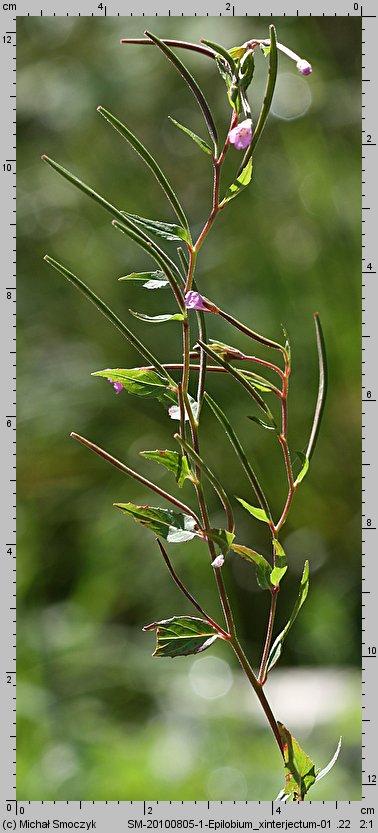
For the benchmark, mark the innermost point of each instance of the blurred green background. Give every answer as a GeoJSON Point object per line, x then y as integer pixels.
{"type": "Point", "coordinates": [97, 717]}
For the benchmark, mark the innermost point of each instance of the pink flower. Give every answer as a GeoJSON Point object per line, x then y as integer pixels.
{"type": "Point", "coordinates": [116, 385]}
{"type": "Point", "coordinates": [304, 67]}
{"type": "Point", "coordinates": [241, 135]}
{"type": "Point", "coordinates": [194, 300]}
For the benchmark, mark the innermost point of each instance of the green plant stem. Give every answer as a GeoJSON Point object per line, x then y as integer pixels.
{"type": "Point", "coordinates": [188, 595]}
{"type": "Point", "coordinates": [136, 476]}
{"type": "Point", "coordinates": [269, 634]}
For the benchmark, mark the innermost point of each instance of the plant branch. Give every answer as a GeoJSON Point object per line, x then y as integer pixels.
{"type": "Point", "coordinates": [188, 595]}
{"type": "Point", "coordinates": [136, 476]}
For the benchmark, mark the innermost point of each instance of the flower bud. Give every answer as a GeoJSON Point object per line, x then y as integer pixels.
{"type": "Point", "coordinates": [304, 67]}
{"type": "Point", "coordinates": [241, 135]}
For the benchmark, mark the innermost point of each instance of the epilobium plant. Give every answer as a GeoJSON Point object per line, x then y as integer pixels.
{"type": "Point", "coordinates": [174, 384]}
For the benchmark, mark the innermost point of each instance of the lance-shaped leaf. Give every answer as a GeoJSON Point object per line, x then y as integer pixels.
{"type": "Point", "coordinates": [239, 184]}
{"type": "Point", "coordinates": [149, 280]}
{"type": "Point", "coordinates": [192, 84]}
{"type": "Point", "coordinates": [197, 139]}
{"type": "Point", "coordinates": [168, 231]}
{"type": "Point", "coordinates": [305, 467]}
{"type": "Point", "coordinates": [299, 768]}
{"type": "Point", "coordinates": [174, 462]}
{"type": "Point", "coordinates": [157, 319]}
{"type": "Point", "coordinates": [150, 161]}
{"type": "Point", "coordinates": [182, 635]}
{"type": "Point", "coordinates": [138, 381]}
{"type": "Point", "coordinates": [235, 442]}
{"type": "Point", "coordinates": [110, 315]}
{"type": "Point", "coordinates": [327, 769]}
{"type": "Point", "coordinates": [265, 109]}
{"type": "Point", "coordinates": [261, 422]}
{"type": "Point", "coordinates": [220, 50]}
{"type": "Point", "coordinates": [276, 649]}
{"type": "Point", "coordinates": [263, 568]}
{"type": "Point", "coordinates": [169, 268]}
{"type": "Point", "coordinates": [322, 389]}
{"type": "Point", "coordinates": [175, 527]}
{"type": "Point", "coordinates": [128, 227]}
{"type": "Point", "coordinates": [258, 513]}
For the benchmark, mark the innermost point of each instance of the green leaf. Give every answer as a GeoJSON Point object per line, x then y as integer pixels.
{"type": "Point", "coordinates": [276, 575]}
{"type": "Point", "coordinates": [263, 424]}
{"type": "Point", "coordinates": [168, 231]}
{"type": "Point", "coordinates": [242, 181]}
{"type": "Point", "coordinates": [305, 466]}
{"type": "Point", "coordinates": [323, 772]}
{"type": "Point", "coordinates": [276, 649]}
{"type": "Point", "coordinates": [150, 161]}
{"type": "Point", "coordinates": [299, 768]}
{"type": "Point", "coordinates": [222, 539]}
{"type": "Point", "coordinates": [182, 635]}
{"type": "Point", "coordinates": [174, 462]}
{"type": "Point", "coordinates": [265, 49]}
{"type": "Point", "coordinates": [151, 280]}
{"type": "Point", "coordinates": [197, 139]}
{"type": "Point", "coordinates": [175, 527]}
{"type": "Point", "coordinates": [322, 387]}
{"type": "Point", "coordinates": [110, 315]}
{"type": "Point", "coordinates": [192, 84]}
{"type": "Point", "coordinates": [263, 568]}
{"type": "Point", "coordinates": [237, 51]}
{"type": "Point", "coordinates": [258, 513]}
{"type": "Point", "coordinates": [220, 50]}
{"type": "Point", "coordinates": [138, 381]}
{"type": "Point", "coordinates": [279, 552]}
{"type": "Point", "coordinates": [157, 319]}
{"type": "Point", "coordinates": [257, 385]}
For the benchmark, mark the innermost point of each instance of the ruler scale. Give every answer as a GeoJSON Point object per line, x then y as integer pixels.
{"type": "Point", "coordinates": [214, 815]}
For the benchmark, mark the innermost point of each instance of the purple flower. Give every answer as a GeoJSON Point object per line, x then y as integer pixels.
{"type": "Point", "coordinates": [116, 385]}
{"type": "Point", "coordinates": [241, 135]}
{"type": "Point", "coordinates": [194, 300]}
{"type": "Point", "coordinates": [304, 67]}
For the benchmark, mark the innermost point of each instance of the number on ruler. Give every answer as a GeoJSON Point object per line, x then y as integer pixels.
{"type": "Point", "coordinates": [7, 167]}
{"type": "Point", "coordinates": [7, 39]}
{"type": "Point", "coordinates": [372, 650]}
{"type": "Point", "coordinates": [372, 779]}
{"type": "Point", "coordinates": [369, 138]}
